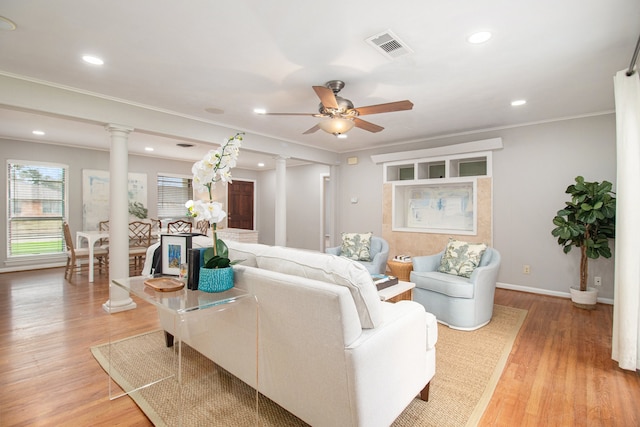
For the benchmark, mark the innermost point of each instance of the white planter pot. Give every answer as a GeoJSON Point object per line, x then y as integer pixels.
{"type": "Point", "coordinates": [584, 299]}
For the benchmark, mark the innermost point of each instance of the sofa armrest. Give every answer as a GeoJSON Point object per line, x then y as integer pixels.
{"type": "Point", "coordinates": [427, 263]}
{"type": "Point", "coordinates": [390, 364]}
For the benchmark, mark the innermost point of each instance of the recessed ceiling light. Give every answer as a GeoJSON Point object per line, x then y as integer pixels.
{"type": "Point", "coordinates": [518, 102]}
{"type": "Point", "coordinates": [38, 132]}
{"type": "Point", "coordinates": [148, 148]}
{"type": "Point", "coordinates": [260, 111]}
{"type": "Point", "coordinates": [260, 165]}
{"type": "Point", "coordinates": [479, 37]}
{"type": "Point", "coordinates": [7, 24]}
{"type": "Point", "coordinates": [94, 60]}
{"type": "Point", "coordinates": [342, 136]}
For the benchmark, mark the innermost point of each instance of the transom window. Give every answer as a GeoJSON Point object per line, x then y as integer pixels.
{"type": "Point", "coordinates": [37, 207]}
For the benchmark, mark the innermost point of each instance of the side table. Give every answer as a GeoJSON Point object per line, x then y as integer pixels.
{"type": "Point", "coordinates": [402, 270]}
{"type": "Point", "coordinates": [398, 292]}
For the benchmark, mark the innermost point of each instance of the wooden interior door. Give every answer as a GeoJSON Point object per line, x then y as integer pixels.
{"type": "Point", "coordinates": [240, 197]}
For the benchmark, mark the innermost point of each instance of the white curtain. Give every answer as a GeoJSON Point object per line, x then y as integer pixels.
{"type": "Point", "coordinates": [626, 309]}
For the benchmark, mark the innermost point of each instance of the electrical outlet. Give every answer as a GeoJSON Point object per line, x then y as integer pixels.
{"type": "Point", "coordinates": [597, 281]}
{"type": "Point", "coordinates": [526, 269]}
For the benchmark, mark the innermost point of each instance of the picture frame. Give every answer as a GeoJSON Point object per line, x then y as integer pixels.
{"type": "Point", "coordinates": [175, 249]}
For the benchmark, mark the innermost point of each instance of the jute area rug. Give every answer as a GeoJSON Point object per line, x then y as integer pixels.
{"type": "Point", "coordinates": [468, 366]}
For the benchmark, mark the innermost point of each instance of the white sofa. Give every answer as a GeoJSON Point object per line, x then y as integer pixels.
{"type": "Point", "coordinates": [330, 351]}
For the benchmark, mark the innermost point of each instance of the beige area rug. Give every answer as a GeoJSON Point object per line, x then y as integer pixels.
{"type": "Point", "coordinates": [468, 366]}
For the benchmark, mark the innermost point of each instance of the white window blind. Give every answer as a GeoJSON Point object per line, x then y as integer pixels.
{"type": "Point", "coordinates": [37, 207]}
{"type": "Point", "coordinates": [173, 193]}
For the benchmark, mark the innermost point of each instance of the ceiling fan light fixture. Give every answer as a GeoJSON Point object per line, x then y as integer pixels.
{"type": "Point", "coordinates": [336, 126]}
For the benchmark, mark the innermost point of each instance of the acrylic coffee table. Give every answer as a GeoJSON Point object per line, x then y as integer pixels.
{"type": "Point", "coordinates": [188, 309]}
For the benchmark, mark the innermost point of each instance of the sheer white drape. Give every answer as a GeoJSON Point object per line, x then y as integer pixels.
{"type": "Point", "coordinates": [626, 309]}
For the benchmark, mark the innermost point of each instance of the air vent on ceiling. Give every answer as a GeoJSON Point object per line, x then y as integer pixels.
{"type": "Point", "coordinates": [389, 45]}
{"type": "Point", "coordinates": [184, 145]}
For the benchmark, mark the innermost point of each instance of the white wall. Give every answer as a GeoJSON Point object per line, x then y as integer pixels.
{"type": "Point", "coordinates": [530, 175]}
{"type": "Point", "coordinates": [304, 195]}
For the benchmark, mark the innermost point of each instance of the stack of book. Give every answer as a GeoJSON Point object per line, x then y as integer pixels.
{"type": "Point", "coordinates": [402, 258]}
{"type": "Point", "coordinates": [383, 281]}
{"type": "Point", "coordinates": [196, 259]}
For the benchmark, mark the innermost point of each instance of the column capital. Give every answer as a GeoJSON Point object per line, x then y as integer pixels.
{"type": "Point", "coordinates": [112, 127]}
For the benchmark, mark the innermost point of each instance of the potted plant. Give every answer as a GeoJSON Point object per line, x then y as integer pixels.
{"type": "Point", "coordinates": [216, 275]}
{"type": "Point", "coordinates": [587, 222]}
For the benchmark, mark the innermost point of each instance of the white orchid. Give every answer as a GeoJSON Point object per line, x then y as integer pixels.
{"type": "Point", "coordinates": [215, 166]}
{"type": "Point", "coordinates": [210, 211]}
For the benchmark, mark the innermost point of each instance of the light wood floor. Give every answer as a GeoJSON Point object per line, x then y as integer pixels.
{"type": "Point", "coordinates": [559, 372]}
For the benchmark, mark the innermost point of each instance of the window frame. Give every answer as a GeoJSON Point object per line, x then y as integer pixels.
{"type": "Point", "coordinates": [12, 163]}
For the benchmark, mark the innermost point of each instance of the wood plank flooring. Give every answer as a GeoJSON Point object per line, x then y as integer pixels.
{"type": "Point", "coordinates": [559, 372]}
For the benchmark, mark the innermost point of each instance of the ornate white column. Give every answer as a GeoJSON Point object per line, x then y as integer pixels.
{"type": "Point", "coordinates": [281, 201]}
{"type": "Point", "coordinates": [118, 217]}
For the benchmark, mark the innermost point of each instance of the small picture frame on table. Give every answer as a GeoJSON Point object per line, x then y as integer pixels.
{"type": "Point", "coordinates": [175, 249]}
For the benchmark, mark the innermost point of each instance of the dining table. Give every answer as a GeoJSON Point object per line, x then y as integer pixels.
{"type": "Point", "coordinates": [92, 237]}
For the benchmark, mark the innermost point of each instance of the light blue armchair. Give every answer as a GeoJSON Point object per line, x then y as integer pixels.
{"type": "Point", "coordinates": [458, 302]}
{"type": "Point", "coordinates": [379, 251]}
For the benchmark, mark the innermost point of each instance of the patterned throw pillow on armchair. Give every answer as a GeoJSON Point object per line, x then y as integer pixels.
{"type": "Point", "coordinates": [461, 258]}
{"type": "Point", "coordinates": [356, 246]}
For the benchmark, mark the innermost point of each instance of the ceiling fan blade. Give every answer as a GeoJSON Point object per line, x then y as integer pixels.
{"type": "Point", "coordinates": [326, 96]}
{"type": "Point", "coordinates": [385, 108]}
{"type": "Point", "coordinates": [288, 114]}
{"type": "Point", "coordinates": [368, 126]}
{"type": "Point", "coordinates": [312, 130]}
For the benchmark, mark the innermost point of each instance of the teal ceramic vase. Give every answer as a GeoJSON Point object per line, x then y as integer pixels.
{"type": "Point", "coordinates": [215, 279]}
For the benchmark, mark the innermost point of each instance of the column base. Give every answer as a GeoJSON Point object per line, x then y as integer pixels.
{"type": "Point", "coordinates": [109, 308]}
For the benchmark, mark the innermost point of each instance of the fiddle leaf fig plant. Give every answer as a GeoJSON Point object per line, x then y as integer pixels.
{"type": "Point", "coordinates": [587, 222]}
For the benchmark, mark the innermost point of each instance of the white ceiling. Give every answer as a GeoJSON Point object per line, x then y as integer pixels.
{"type": "Point", "coordinates": [187, 57]}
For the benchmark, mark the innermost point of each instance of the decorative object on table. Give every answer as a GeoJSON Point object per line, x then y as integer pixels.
{"type": "Point", "coordinates": [587, 222]}
{"type": "Point", "coordinates": [215, 279]}
{"type": "Point", "coordinates": [383, 281]}
{"type": "Point", "coordinates": [195, 260]}
{"type": "Point", "coordinates": [215, 166]}
{"type": "Point", "coordinates": [174, 252]}
{"type": "Point", "coordinates": [164, 284]}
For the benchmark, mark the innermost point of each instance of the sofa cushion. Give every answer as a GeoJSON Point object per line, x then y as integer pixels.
{"type": "Point", "coordinates": [461, 258]}
{"type": "Point", "coordinates": [356, 246]}
{"type": "Point", "coordinates": [443, 283]}
{"type": "Point", "coordinates": [331, 269]}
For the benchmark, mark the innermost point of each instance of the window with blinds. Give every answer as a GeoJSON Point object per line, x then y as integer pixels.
{"type": "Point", "coordinates": [173, 193]}
{"type": "Point", "coordinates": [37, 207]}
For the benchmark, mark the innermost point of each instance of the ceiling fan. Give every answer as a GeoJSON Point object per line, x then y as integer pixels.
{"type": "Point", "coordinates": [339, 113]}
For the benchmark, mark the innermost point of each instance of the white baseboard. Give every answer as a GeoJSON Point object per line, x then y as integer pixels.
{"type": "Point", "coordinates": [544, 292]}
{"type": "Point", "coordinates": [31, 267]}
